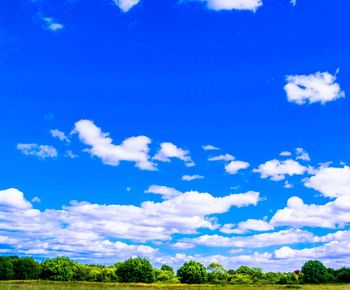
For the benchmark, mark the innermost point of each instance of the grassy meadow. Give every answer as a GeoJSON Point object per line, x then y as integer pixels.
{"type": "Point", "coordinates": [89, 285]}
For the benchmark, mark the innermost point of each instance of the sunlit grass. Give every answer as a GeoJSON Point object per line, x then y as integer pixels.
{"type": "Point", "coordinates": [91, 286]}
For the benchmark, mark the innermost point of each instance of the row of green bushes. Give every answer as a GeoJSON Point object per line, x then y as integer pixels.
{"type": "Point", "coordinates": [140, 270]}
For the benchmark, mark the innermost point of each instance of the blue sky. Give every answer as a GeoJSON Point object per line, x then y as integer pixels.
{"type": "Point", "coordinates": [109, 108]}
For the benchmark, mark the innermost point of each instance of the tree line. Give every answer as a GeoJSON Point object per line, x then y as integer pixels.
{"type": "Point", "coordinates": [140, 270]}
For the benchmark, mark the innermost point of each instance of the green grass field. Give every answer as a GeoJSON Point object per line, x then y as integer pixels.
{"type": "Point", "coordinates": [91, 286]}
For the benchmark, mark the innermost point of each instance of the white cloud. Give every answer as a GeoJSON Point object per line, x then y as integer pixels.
{"type": "Point", "coordinates": [285, 153]}
{"type": "Point", "coordinates": [234, 166]}
{"type": "Point", "coordinates": [298, 214]}
{"type": "Point", "coordinates": [13, 198]}
{"type": "Point", "coordinates": [133, 149]}
{"type": "Point", "coordinates": [288, 185]}
{"type": "Point", "coordinates": [126, 5]}
{"type": "Point", "coordinates": [331, 181]}
{"type": "Point", "coordinates": [251, 5]}
{"type": "Point", "coordinates": [209, 147]}
{"type": "Point", "coordinates": [52, 25]}
{"type": "Point", "coordinates": [223, 157]}
{"type": "Point", "coordinates": [277, 170]}
{"type": "Point", "coordinates": [337, 246]}
{"type": "Point", "coordinates": [318, 87]}
{"type": "Point", "coordinates": [169, 150]}
{"type": "Point", "coordinates": [86, 224]}
{"type": "Point", "coordinates": [302, 154]}
{"type": "Point", "coordinates": [246, 226]}
{"type": "Point", "coordinates": [165, 191]}
{"type": "Point", "coordinates": [284, 237]}
{"type": "Point", "coordinates": [293, 2]}
{"type": "Point", "coordinates": [192, 177]}
{"type": "Point", "coordinates": [60, 135]}
{"type": "Point", "coordinates": [40, 151]}
{"type": "Point", "coordinates": [36, 199]}
{"type": "Point", "coordinates": [182, 246]}
{"type": "Point", "coordinates": [70, 154]}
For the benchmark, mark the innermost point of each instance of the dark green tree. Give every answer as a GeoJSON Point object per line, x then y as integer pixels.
{"type": "Point", "coordinates": [26, 269]}
{"type": "Point", "coordinates": [7, 271]}
{"type": "Point", "coordinates": [314, 272]}
{"type": "Point", "coordinates": [192, 273]}
{"type": "Point", "coordinates": [167, 268]}
{"type": "Point", "coordinates": [135, 270]}
{"type": "Point", "coordinates": [343, 275]}
{"type": "Point", "coordinates": [59, 269]}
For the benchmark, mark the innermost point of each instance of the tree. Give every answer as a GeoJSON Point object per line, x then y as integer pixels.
{"type": "Point", "coordinates": [343, 275]}
{"type": "Point", "coordinates": [217, 274]}
{"type": "Point", "coordinates": [165, 276]}
{"type": "Point", "coordinates": [26, 269]}
{"type": "Point", "coordinates": [135, 270]}
{"type": "Point", "coordinates": [314, 272]}
{"type": "Point", "coordinates": [167, 268]}
{"type": "Point", "coordinates": [59, 269]}
{"type": "Point", "coordinates": [192, 273]}
{"type": "Point", "coordinates": [7, 271]}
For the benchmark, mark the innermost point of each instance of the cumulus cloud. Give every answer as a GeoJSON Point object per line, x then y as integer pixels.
{"type": "Point", "coordinates": [182, 246]}
{"type": "Point", "coordinates": [246, 226]}
{"type": "Point", "coordinates": [223, 157]}
{"type": "Point", "coordinates": [70, 154]}
{"type": "Point", "coordinates": [126, 5]}
{"type": "Point", "coordinates": [192, 177]}
{"type": "Point", "coordinates": [55, 133]}
{"type": "Point", "coordinates": [40, 151]}
{"type": "Point", "coordinates": [250, 5]}
{"type": "Point", "coordinates": [284, 237]}
{"type": "Point", "coordinates": [332, 182]}
{"type": "Point", "coordinates": [234, 166]}
{"type": "Point", "coordinates": [277, 170]}
{"type": "Point", "coordinates": [169, 150]}
{"type": "Point", "coordinates": [209, 147]}
{"type": "Point", "coordinates": [302, 154]}
{"type": "Point", "coordinates": [88, 231]}
{"type": "Point", "coordinates": [320, 87]}
{"type": "Point", "coordinates": [133, 149]}
{"type": "Point", "coordinates": [285, 153]}
{"type": "Point", "coordinates": [165, 191]}
{"type": "Point", "coordinates": [298, 214]}
{"type": "Point", "coordinates": [14, 199]}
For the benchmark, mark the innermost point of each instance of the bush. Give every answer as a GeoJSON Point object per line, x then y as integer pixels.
{"type": "Point", "coordinates": [26, 269]}
{"type": "Point", "coordinates": [217, 274]}
{"type": "Point", "coordinates": [314, 272]}
{"type": "Point", "coordinates": [343, 275]}
{"type": "Point", "coordinates": [192, 273]}
{"type": "Point", "coordinates": [135, 270]}
{"type": "Point", "coordinates": [7, 271]}
{"type": "Point", "coordinates": [59, 269]}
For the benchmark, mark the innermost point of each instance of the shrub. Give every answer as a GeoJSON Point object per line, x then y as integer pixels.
{"type": "Point", "coordinates": [314, 272]}
{"type": "Point", "coordinates": [59, 269]}
{"type": "Point", "coordinates": [192, 273]}
{"type": "Point", "coordinates": [135, 270]}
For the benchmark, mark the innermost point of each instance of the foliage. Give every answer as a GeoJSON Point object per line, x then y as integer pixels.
{"type": "Point", "coordinates": [314, 272]}
{"type": "Point", "coordinates": [58, 269]}
{"type": "Point", "coordinates": [7, 271]}
{"type": "Point", "coordinates": [343, 275]}
{"type": "Point", "coordinates": [167, 268]}
{"type": "Point", "coordinates": [192, 273]}
{"type": "Point", "coordinates": [135, 270]}
{"type": "Point", "coordinates": [217, 274]}
{"type": "Point", "coordinates": [140, 270]}
{"type": "Point", "coordinates": [26, 269]}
